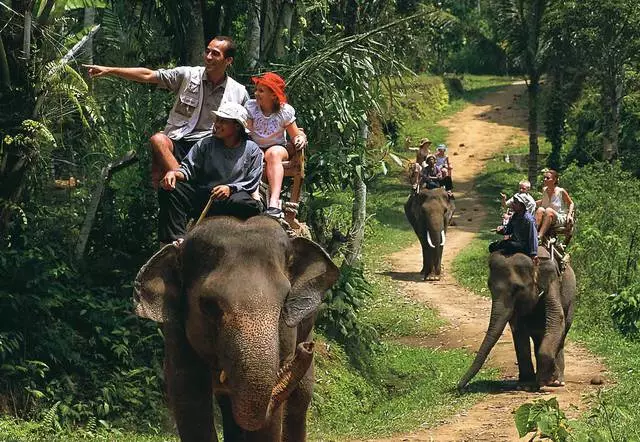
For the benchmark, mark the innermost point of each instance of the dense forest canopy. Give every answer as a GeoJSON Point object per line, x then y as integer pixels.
{"type": "Point", "coordinates": [67, 334]}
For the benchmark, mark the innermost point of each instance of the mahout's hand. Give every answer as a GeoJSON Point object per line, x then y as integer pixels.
{"type": "Point", "coordinates": [221, 192]}
{"type": "Point", "coordinates": [169, 180]}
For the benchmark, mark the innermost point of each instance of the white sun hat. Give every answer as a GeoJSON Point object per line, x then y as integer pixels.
{"type": "Point", "coordinates": [233, 111]}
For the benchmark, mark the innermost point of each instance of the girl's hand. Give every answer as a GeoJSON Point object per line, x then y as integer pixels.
{"type": "Point", "coordinates": [300, 141]}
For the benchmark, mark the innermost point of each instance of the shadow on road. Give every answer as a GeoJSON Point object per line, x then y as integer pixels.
{"type": "Point", "coordinates": [403, 276]}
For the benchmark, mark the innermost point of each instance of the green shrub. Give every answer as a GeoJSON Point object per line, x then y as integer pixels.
{"type": "Point", "coordinates": [338, 318]}
{"type": "Point", "coordinates": [543, 417]}
{"type": "Point", "coordinates": [625, 310]}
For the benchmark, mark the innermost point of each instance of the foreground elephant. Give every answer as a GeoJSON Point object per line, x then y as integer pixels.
{"type": "Point", "coordinates": [429, 213]}
{"type": "Point", "coordinates": [237, 301]}
{"type": "Point", "coordinates": [542, 313]}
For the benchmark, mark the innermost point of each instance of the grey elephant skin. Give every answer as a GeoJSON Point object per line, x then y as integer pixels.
{"type": "Point", "coordinates": [429, 213]}
{"type": "Point", "coordinates": [237, 302]}
{"type": "Point", "coordinates": [540, 313]}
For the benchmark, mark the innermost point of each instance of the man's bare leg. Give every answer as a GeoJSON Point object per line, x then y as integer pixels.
{"type": "Point", "coordinates": [162, 159]}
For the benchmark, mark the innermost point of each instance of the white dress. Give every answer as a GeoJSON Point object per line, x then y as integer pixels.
{"type": "Point", "coordinates": [270, 130]}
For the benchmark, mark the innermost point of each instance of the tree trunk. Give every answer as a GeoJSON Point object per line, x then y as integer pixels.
{"type": "Point", "coordinates": [5, 76]}
{"type": "Point", "coordinates": [26, 40]}
{"type": "Point", "coordinates": [253, 33]}
{"type": "Point", "coordinates": [283, 33]}
{"type": "Point", "coordinates": [355, 237]}
{"type": "Point", "coordinates": [350, 21]}
{"type": "Point", "coordinates": [270, 21]}
{"type": "Point", "coordinates": [533, 88]}
{"type": "Point", "coordinates": [89, 20]}
{"type": "Point", "coordinates": [193, 47]}
{"type": "Point", "coordinates": [612, 90]}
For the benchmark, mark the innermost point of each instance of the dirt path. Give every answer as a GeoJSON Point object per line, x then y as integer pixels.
{"type": "Point", "coordinates": [477, 133]}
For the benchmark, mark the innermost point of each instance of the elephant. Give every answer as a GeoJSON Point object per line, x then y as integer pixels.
{"type": "Point", "coordinates": [429, 213]}
{"type": "Point", "coordinates": [237, 301]}
{"type": "Point", "coordinates": [540, 310]}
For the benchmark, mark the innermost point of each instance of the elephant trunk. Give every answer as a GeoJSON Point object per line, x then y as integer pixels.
{"type": "Point", "coordinates": [498, 321]}
{"type": "Point", "coordinates": [255, 406]}
{"type": "Point", "coordinates": [290, 375]}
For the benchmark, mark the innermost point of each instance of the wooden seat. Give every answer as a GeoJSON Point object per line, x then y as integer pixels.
{"type": "Point", "coordinates": [566, 231]}
{"type": "Point", "coordinates": [294, 168]}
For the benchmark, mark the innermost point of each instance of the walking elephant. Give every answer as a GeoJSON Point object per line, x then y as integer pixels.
{"type": "Point", "coordinates": [429, 213]}
{"type": "Point", "coordinates": [540, 311]}
{"type": "Point", "coordinates": [237, 300]}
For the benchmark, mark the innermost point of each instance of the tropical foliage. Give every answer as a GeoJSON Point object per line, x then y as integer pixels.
{"type": "Point", "coordinates": [71, 352]}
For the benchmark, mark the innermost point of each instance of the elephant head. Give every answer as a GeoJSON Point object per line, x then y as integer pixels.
{"type": "Point", "coordinates": [535, 310]}
{"type": "Point", "coordinates": [225, 294]}
{"type": "Point", "coordinates": [429, 213]}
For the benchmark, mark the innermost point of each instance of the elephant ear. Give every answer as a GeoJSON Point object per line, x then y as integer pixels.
{"type": "Point", "coordinates": [156, 281]}
{"type": "Point", "coordinates": [311, 273]}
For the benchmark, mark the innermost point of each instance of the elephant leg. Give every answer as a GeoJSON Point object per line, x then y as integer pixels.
{"type": "Point", "coordinates": [295, 412]}
{"type": "Point", "coordinates": [424, 247]}
{"type": "Point", "coordinates": [230, 430]}
{"type": "Point", "coordinates": [189, 387]}
{"type": "Point", "coordinates": [522, 346]}
{"type": "Point", "coordinates": [558, 373]}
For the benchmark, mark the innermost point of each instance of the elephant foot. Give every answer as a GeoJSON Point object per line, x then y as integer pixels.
{"type": "Point", "coordinates": [527, 379]}
{"type": "Point", "coordinates": [556, 383]}
{"type": "Point", "coordinates": [432, 277]}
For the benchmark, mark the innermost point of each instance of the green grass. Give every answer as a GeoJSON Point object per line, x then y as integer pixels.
{"type": "Point", "coordinates": [13, 430]}
{"type": "Point", "coordinates": [410, 387]}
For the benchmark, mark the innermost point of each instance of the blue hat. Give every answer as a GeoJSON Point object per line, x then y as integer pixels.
{"type": "Point", "coordinates": [441, 147]}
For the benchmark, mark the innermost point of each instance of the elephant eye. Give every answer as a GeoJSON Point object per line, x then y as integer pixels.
{"type": "Point", "coordinates": [210, 307]}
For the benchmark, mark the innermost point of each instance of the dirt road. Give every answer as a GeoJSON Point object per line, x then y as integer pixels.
{"type": "Point", "coordinates": [476, 134]}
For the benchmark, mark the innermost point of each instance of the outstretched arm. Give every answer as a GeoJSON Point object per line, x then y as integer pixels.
{"type": "Point", "coordinates": [141, 75]}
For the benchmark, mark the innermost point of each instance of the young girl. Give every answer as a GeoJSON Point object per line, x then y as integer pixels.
{"type": "Point", "coordinates": [270, 118]}
{"type": "Point", "coordinates": [442, 161]}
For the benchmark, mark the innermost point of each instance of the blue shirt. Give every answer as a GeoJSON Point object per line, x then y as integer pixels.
{"type": "Point", "coordinates": [209, 164]}
{"type": "Point", "coordinates": [522, 228]}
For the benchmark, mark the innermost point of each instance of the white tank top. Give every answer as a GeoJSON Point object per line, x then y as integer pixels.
{"type": "Point", "coordinates": [554, 201]}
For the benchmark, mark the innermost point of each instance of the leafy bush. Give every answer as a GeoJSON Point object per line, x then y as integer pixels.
{"type": "Point", "coordinates": [338, 317]}
{"type": "Point", "coordinates": [545, 418]}
{"type": "Point", "coordinates": [605, 250]}
{"type": "Point", "coordinates": [625, 310]}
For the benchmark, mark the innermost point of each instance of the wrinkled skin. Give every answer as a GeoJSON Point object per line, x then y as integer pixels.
{"type": "Point", "coordinates": [237, 299]}
{"type": "Point", "coordinates": [543, 319]}
{"type": "Point", "coordinates": [429, 213]}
